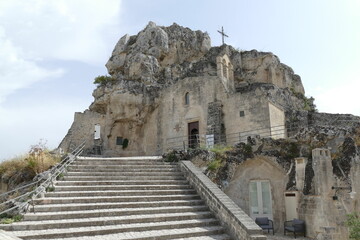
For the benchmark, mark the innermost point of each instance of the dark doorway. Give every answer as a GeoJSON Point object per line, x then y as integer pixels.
{"type": "Point", "coordinates": [193, 134]}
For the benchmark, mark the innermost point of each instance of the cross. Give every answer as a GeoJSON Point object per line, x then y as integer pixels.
{"type": "Point", "coordinates": [223, 34]}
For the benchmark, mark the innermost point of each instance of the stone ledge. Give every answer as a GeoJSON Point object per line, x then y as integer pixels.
{"type": "Point", "coordinates": [237, 223]}
{"type": "Point", "coordinates": [7, 236]}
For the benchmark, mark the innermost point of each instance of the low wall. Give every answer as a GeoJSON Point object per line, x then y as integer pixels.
{"type": "Point", "coordinates": [237, 223]}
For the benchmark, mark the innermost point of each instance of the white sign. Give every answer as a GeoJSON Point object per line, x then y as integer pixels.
{"type": "Point", "coordinates": [97, 131]}
{"type": "Point", "coordinates": [210, 141]}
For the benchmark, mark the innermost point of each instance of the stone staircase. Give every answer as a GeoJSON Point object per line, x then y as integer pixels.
{"type": "Point", "coordinates": [120, 198]}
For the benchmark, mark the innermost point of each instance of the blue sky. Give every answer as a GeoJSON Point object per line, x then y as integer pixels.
{"type": "Point", "coordinates": [51, 50]}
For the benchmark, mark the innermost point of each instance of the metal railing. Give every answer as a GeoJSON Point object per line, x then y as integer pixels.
{"type": "Point", "coordinates": [207, 141]}
{"type": "Point", "coordinates": [41, 184]}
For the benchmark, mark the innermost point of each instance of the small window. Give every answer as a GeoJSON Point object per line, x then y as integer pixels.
{"type": "Point", "coordinates": [242, 114]}
{"type": "Point", "coordinates": [187, 98]}
{"type": "Point", "coordinates": [119, 141]}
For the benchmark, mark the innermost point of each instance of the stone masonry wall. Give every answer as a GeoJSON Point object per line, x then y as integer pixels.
{"type": "Point", "coordinates": [239, 225]}
{"type": "Point", "coordinates": [215, 120]}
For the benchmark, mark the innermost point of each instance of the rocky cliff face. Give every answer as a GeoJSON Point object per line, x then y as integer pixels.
{"type": "Point", "coordinates": [151, 56]}
{"type": "Point", "coordinates": [160, 56]}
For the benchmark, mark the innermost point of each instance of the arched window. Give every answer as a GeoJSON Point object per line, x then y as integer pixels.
{"type": "Point", "coordinates": [225, 72]}
{"type": "Point", "coordinates": [187, 98]}
{"type": "Point", "coordinates": [229, 70]}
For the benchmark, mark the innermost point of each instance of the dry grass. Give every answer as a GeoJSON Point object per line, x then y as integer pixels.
{"type": "Point", "coordinates": [9, 167]}
{"type": "Point", "coordinates": [36, 161]}
{"type": "Point", "coordinates": [357, 137]}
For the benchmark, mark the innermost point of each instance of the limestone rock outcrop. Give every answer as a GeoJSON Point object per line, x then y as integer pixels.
{"type": "Point", "coordinates": [153, 69]}
{"type": "Point", "coordinates": [151, 54]}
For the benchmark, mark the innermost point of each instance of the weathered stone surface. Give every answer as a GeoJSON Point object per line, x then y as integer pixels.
{"type": "Point", "coordinates": [155, 68]}
{"type": "Point", "coordinates": [154, 50]}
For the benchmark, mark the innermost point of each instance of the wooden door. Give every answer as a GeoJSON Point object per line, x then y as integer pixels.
{"type": "Point", "coordinates": [193, 134]}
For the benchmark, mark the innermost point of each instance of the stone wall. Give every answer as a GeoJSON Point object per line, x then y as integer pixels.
{"type": "Point", "coordinates": [215, 121]}
{"type": "Point", "coordinates": [322, 213]}
{"type": "Point", "coordinates": [259, 168]}
{"type": "Point", "coordinates": [237, 223]}
{"type": "Point", "coordinates": [277, 121]}
{"type": "Point", "coordinates": [83, 129]}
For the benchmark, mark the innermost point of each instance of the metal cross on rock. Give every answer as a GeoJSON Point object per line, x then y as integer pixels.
{"type": "Point", "coordinates": [222, 34]}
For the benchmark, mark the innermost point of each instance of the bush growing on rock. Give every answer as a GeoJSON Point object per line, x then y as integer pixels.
{"type": "Point", "coordinates": [353, 222]}
{"type": "Point", "coordinates": [103, 80]}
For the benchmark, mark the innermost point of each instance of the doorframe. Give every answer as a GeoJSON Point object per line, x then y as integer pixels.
{"type": "Point", "coordinates": [189, 130]}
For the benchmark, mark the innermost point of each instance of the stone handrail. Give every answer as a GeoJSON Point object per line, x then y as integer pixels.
{"type": "Point", "coordinates": [237, 223]}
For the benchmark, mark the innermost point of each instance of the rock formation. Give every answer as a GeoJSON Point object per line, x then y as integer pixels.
{"type": "Point", "coordinates": [170, 89]}
{"type": "Point", "coordinates": [145, 66]}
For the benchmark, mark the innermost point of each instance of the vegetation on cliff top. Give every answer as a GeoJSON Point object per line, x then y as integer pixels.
{"type": "Point", "coordinates": [104, 80]}
{"type": "Point", "coordinates": [24, 168]}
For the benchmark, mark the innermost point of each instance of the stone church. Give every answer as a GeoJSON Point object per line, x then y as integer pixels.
{"type": "Point", "coordinates": [170, 89]}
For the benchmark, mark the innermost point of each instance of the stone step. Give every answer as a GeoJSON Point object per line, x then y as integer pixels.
{"type": "Point", "coordinates": [66, 200]}
{"type": "Point", "coordinates": [120, 198]}
{"type": "Point", "coordinates": [211, 237]}
{"type": "Point", "coordinates": [120, 177]}
{"type": "Point", "coordinates": [103, 221]}
{"type": "Point", "coordinates": [7, 236]}
{"type": "Point", "coordinates": [123, 162]}
{"type": "Point", "coordinates": [120, 193]}
{"type": "Point", "coordinates": [122, 170]}
{"type": "Point", "coordinates": [120, 182]}
{"type": "Point", "coordinates": [108, 205]}
{"type": "Point", "coordinates": [119, 172]}
{"type": "Point", "coordinates": [111, 212]}
{"type": "Point", "coordinates": [165, 234]}
{"type": "Point", "coordinates": [134, 173]}
{"type": "Point", "coordinates": [121, 228]}
{"type": "Point", "coordinates": [75, 166]}
{"type": "Point", "coordinates": [130, 159]}
{"type": "Point", "coordinates": [120, 187]}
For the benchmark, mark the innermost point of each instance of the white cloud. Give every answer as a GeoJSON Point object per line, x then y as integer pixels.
{"type": "Point", "coordinates": [38, 30]}
{"type": "Point", "coordinates": [342, 98]}
{"type": "Point", "coordinates": [61, 29]}
{"type": "Point", "coordinates": [26, 125]}
{"type": "Point", "coordinates": [15, 71]}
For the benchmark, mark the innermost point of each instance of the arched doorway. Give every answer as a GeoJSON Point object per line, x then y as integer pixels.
{"type": "Point", "coordinates": [193, 134]}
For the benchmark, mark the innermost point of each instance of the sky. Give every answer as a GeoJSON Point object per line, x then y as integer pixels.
{"type": "Point", "coordinates": [51, 51]}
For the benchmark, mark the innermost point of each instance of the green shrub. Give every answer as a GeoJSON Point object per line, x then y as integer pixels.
{"type": "Point", "coordinates": [214, 165]}
{"type": "Point", "coordinates": [60, 176]}
{"type": "Point", "coordinates": [248, 150]}
{"type": "Point", "coordinates": [50, 189]}
{"type": "Point", "coordinates": [125, 143]}
{"type": "Point", "coordinates": [220, 149]}
{"type": "Point", "coordinates": [171, 157]}
{"type": "Point", "coordinates": [103, 80]}
{"type": "Point", "coordinates": [353, 222]}
{"type": "Point", "coordinates": [9, 220]}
